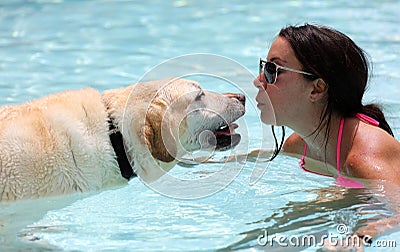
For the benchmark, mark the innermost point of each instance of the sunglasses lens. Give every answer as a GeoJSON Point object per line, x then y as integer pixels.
{"type": "Point", "coordinates": [270, 72]}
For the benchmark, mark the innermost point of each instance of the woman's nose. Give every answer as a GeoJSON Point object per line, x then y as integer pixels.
{"type": "Point", "coordinates": [259, 82]}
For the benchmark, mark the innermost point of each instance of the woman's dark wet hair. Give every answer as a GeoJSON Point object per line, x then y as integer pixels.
{"type": "Point", "coordinates": [334, 57]}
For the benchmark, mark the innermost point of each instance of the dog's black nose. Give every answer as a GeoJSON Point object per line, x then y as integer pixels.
{"type": "Point", "coordinates": [241, 98]}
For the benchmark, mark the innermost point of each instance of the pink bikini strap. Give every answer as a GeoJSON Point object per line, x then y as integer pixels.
{"type": "Point", "coordinates": [360, 116]}
{"type": "Point", "coordinates": [304, 151]}
{"type": "Point", "coordinates": [367, 119]}
{"type": "Point", "coordinates": [342, 181]}
{"type": "Point", "coordinates": [339, 143]}
{"type": "Point", "coordinates": [302, 161]}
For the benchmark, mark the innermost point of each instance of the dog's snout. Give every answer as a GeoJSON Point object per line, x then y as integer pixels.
{"type": "Point", "coordinates": [239, 97]}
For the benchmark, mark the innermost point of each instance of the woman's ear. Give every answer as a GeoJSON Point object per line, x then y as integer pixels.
{"type": "Point", "coordinates": [319, 90]}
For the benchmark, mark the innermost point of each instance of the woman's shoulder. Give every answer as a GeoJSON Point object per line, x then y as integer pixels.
{"type": "Point", "coordinates": [374, 155]}
{"type": "Point", "coordinates": [375, 140]}
{"type": "Point", "coordinates": [294, 144]}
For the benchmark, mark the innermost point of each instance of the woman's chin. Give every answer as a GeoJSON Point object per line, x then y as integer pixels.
{"type": "Point", "coordinates": [268, 117]}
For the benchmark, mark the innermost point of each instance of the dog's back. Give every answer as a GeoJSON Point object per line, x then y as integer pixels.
{"type": "Point", "coordinates": [57, 144]}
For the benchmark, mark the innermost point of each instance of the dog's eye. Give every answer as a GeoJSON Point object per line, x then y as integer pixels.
{"type": "Point", "coordinates": [199, 96]}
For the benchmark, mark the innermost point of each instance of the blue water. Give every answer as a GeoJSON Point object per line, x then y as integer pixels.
{"type": "Point", "coordinates": [48, 46]}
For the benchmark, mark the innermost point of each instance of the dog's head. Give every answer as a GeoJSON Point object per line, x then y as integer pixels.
{"type": "Point", "coordinates": [179, 117]}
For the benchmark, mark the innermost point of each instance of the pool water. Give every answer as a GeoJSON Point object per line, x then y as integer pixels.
{"type": "Point", "coordinates": [48, 46]}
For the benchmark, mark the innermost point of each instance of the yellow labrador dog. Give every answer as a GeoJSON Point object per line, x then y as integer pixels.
{"type": "Point", "coordinates": [82, 140]}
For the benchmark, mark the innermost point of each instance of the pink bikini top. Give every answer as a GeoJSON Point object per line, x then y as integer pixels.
{"type": "Point", "coordinates": [340, 180]}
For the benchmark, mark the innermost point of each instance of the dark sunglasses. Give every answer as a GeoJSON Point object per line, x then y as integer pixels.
{"type": "Point", "coordinates": [271, 70]}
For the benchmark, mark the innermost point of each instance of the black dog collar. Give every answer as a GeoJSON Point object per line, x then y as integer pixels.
{"type": "Point", "coordinates": [118, 145]}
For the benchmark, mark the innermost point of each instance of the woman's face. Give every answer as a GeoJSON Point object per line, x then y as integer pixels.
{"type": "Point", "coordinates": [288, 93]}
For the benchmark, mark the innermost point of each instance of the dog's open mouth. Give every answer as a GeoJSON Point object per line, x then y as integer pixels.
{"type": "Point", "coordinates": [226, 137]}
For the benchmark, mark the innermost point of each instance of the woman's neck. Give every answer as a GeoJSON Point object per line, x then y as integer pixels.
{"type": "Point", "coordinates": [320, 145]}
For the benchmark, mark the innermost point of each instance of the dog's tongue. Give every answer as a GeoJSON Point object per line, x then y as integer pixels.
{"type": "Point", "coordinates": [227, 131]}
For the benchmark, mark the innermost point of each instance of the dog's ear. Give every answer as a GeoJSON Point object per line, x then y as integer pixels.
{"type": "Point", "coordinates": [156, 135]}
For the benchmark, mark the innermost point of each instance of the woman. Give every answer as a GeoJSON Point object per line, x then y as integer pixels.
{"type": "Point", "coordinates": [315, 78]}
